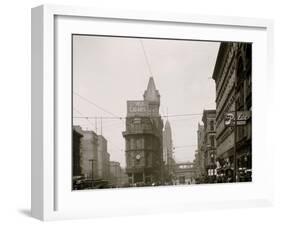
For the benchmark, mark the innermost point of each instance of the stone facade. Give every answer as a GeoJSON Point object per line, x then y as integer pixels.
{"type": "Point", "coordinates": [209, 143]}
{"type": "Point", "coordinates": [88, 153]}
{"type": "Point", "coordinates": [200, 152]}
{"type": "Point", "coordinates": [115, 173]}
{"type": "Point", "coordinates": [233, 77]}
{"type": "Point", "coordinates": [103, 165]}
{"type": "Point", "coordinates": [76, 151]}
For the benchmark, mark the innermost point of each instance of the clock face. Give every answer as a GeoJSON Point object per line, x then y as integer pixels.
{"type": "Point", "coordinates": [138, 156]}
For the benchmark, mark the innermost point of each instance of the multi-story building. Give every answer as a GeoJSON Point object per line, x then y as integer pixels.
{"type": "Point", "coordinates": [143, 137]}
{"type": "Point", "coordinates": [201, 171]}
{"type": "Point", "coordinates": [168, 153]}
{"type": "Point", "coordinates": [115, 173]}
{"type": "Point", "coordinates": [88, 153]}
{"type": "Point", "coordinates": [103, 165]}
{"type": "Point", "coordinates": [76, 151]}
{"type": "Point", "coordinates": [233, 77]}
{"type": "Point", "coordinates": [124, 180]}
{"type": "Point", "coordinates": [196, 166]}
{"type": "Point", "coordinates": [209, 120]}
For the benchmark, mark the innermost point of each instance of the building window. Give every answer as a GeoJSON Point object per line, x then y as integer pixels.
{"type": "Point", "coordinates": [212, 125]}
{"type": "Point", "coordinates": [140, 143]}
{"type": "Point", "coordinates": [148, 142]}
{"type": "Point", "coordinates": [132, 144]}
{"type": "Point", "coordinates": [182, 179]}
{"type": "Point", "coordinates": [148, 159]}
{"type": "Point", "coordinates": [212, 141]}
{"type": "Point", "coordinates": [136, 120]}
{"type": "Point", "coordinates": [127, 144]}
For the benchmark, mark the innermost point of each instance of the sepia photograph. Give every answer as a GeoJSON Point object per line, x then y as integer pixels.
{"type": "Point", "coordinates": [150, 112]}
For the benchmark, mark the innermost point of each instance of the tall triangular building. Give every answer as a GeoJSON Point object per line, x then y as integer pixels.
{"type": "Point", "coordinates": [143, 138]}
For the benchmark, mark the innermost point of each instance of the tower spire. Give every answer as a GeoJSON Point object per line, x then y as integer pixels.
{"type": "Point", "coordinates": [151, 93]}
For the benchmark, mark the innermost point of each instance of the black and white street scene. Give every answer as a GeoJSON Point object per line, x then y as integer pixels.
{"type": "Point", "coordinates": [160, 112]}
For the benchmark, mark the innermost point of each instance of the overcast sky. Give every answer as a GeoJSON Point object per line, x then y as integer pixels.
{"type": "Point", "coordinates": [108, 71]}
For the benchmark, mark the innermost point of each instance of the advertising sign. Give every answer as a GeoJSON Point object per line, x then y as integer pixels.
{"type": "Point", "coordinates": [137, 108]}
{"type": "Point", "coordinates": [242, 118]}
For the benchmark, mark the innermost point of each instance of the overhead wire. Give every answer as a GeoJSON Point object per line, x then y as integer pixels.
{"type": "Point", "coordinates": [114, 116]}
{"type": "Point", "coordinates": [184, 146]}
{"type": "Point", "coordinates": [122, 117]}
{"type": "Point", "coordinates": [97, 106]}
{"type": "Point", "coordinates": [113, 144]}
{"type": "Point", "coordinates": [83, 117]}
{"type": "Point", "coordinates": [146, 58]}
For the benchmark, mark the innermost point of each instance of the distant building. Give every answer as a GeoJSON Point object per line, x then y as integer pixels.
{"type": "Point", "coordinates": [233, 77]}
{"type": "Point", "coordinates": [196, 165]}
{"type": "Point", "coordinates": [185, 173]}
{"type": "Point", "coordinates": [168, 152]}
{"type": "Point", "coordinates": [209, 147]}
{"type": "Point", "coordinates": [88, 154]}
{"type": "Point", "coordinates": [124, 180]}
{"type": "Point", "coordinates": [143, 136]}
{"type": "Point", "coordinates": [200, 167]}
{"type": "Point", "coordinates": [103, 166]}
{"type": "Point", "coordinates": [115, 173]}
{"type": "Point", "coordinates": [76, 151]}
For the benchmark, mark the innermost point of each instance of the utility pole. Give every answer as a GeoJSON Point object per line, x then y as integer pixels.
{"type": "Point", "coordinates": [96, 125]}
{"type": "Point", "coordinates": [100, 125]}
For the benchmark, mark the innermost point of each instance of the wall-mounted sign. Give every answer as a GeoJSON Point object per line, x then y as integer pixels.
{"type": "Point", "coordinates": [242, 118]}
{"type": "Point", "coordinates": [137, 106]}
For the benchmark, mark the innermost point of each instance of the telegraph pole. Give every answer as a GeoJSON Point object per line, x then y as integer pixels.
{"type": "Point", "coordinates": [96, 125]}
{"type": "Point", "coordinates": [101, 125]}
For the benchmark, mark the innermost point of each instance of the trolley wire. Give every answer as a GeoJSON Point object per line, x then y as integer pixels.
{"type": "Point", "coordinates": [146, 58]}
{"type": "Point", "coordinates": [122, 117]}
{"type": "Point", "coordinates": [97, 106]}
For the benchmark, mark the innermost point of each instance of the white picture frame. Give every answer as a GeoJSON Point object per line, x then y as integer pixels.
{"type": "Point", "coordinates": [49, 202]}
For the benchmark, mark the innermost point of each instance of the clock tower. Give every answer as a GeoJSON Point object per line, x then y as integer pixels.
{"type": "Point", "coordinates": [143, 137]}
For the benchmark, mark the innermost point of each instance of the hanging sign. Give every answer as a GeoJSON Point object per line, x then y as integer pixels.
{"type": "Point", "coordinates": [242, 118]}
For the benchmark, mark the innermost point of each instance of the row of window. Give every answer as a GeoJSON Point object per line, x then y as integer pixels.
{"type": "Point", "coordinates": [140, 143]}
{"type": "Point", "coordinates": [211, 141]}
